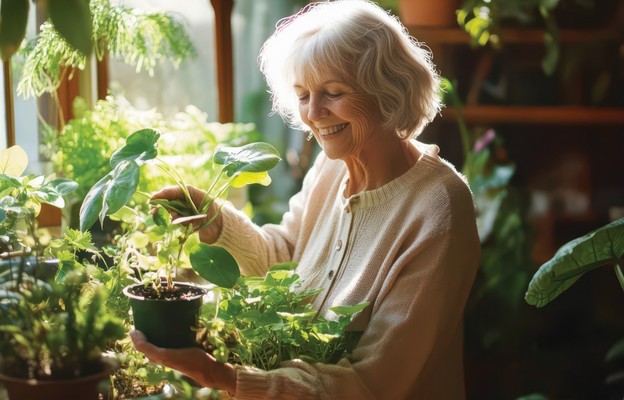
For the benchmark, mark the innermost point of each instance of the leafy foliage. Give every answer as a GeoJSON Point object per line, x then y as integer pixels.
{"type": "Point", "coordinates": [601, 247]}
{"type": "Point", "coordinates": [139, 39]}
{"type": "Point", "coordinates": [246, 164]}
{"type": "Point", "coordinates": [54, 330]}
{"type": "Point", "coordinates": [482, 19]}
{"type": "Point", "coordinates": [265, 321]}
{"type": "Point", "coordinates": [21, 197]}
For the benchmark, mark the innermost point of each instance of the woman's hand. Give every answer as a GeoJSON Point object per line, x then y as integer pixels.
{"type": "Point", "coordinates": [208, 234]}
{"type": "Point", "coordinates": [192, 362]}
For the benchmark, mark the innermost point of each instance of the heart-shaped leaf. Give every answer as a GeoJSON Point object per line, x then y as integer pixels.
{"type": "Point", "coordinates": [253, 157]}
{"type": "Point", "coordinates": [215, 264]}
{"type": "Point", "coordinates": [13, 161]}
{"type": "Point", "coordinates": [140, 146]}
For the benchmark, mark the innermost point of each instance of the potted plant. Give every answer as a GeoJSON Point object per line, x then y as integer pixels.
{"type": "Point", "coordinates": [171, 326]}
{"type": "Point", "coordinates": [263, 321]}
{"type": "Point", "coordinates": [440, 13]}
{"type": "Point", "coordinates": [53, 324]}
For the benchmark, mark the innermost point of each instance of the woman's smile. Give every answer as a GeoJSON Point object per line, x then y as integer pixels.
{"type": "Point", "coordinates": [331, 130]}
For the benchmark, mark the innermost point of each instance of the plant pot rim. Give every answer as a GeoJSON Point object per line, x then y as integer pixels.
{"type": "Point", "coordinates": [109, 365]}
{"type": "Point", "coordinates": [126, 291]}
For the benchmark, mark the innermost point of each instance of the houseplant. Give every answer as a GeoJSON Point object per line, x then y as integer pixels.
{"type": "Point", "coordinates": [483, 20]}
{"type": "Point", "coordinates": [236, 166]}
{"type": "Point", "coordinates": [603, 247]}
{"type": "Point", "coordinates": [263, 321]}
{"type": "Point", "coordinates": [53, 325]}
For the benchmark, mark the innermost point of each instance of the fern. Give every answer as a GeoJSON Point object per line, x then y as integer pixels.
{"type": "Point", "coordinates": [142, 40]}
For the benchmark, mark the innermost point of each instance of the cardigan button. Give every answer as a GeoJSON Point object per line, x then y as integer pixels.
{"type": "Point", "coordinates": [339, 245]}
{"type": "Point", "coordinates": [330, 274]}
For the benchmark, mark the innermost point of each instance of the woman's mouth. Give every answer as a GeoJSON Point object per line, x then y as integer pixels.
{"type": "Point", "coordinates": [331, 130]}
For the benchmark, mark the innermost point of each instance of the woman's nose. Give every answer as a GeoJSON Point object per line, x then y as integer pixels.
{"type": "Point", "coordinates": [316, 108]}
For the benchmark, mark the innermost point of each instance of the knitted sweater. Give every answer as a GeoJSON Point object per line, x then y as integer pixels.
{"type": "Point", "coordinates": [410, 248]}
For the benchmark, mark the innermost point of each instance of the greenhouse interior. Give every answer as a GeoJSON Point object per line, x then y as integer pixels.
{"type": "Point", "coordinates": [291, 199]}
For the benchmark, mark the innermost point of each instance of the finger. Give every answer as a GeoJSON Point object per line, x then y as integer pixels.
{"type": "Point", "coordinates": [141, 343]}
{"type": "Point", "coordinates": [168, 192]}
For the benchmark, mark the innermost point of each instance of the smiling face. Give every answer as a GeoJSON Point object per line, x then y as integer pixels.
{"type": "Point", "coordinates": [342, 119]}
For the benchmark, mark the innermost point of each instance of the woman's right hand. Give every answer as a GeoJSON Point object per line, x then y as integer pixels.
{"type": "Point", "coordinates": [208, 234]}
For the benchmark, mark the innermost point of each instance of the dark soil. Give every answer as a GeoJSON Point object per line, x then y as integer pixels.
{"type": "Point", "coordinates": [176, 293]}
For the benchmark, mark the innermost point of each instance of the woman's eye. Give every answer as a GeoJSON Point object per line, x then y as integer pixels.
{"type": "Point", "coordinates": [334, 95]}
{"type": "Point", "coordinates": [303, 98]}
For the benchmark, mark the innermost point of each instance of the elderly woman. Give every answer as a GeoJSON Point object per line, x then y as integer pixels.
{"type": "Point", "coordinates": [380, 217]}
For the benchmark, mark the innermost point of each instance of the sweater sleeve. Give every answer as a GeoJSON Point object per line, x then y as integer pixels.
{"type": "Point", "coordinates": [413, 328]}
{"type": "Point", "coordinates": [256, 248]}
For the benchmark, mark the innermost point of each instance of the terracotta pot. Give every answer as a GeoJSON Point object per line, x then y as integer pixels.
{"type": "Point", "coordinates": [428, 12]}
{"type": "Point", "coordinates": [83, 388]}
{"type": "Point", "coordinates": [167, 323]}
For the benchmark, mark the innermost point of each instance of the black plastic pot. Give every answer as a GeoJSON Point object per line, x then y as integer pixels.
{"type": "Point", "coordinates": [167, 322]}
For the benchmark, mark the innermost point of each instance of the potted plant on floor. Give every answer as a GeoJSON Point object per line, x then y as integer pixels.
{"type": "Point", "coordinates": [53, 323]}
{"type": "Point", "coordinates": [236, 166]}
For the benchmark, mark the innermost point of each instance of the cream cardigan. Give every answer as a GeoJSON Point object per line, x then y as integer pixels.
{"type": "Point", "coordinates": [410, 248]}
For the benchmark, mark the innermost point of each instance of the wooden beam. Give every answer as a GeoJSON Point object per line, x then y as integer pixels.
{"type": "Point", "coordinates": [560, 115]}
{"type": "Point", "coordinates": [225, 69]}
{"type": "Point", "coordinates": [8, 105]}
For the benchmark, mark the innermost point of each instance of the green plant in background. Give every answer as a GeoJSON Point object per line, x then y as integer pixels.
{"type": "Point", "coordinates": [54, 330]}
{"type": "Point", "coordinates": [54, 322]}
{"type": "Point", "coordinates": [263, 321]}
{"type": "Point", "coordinates": [138, 39]}
{"type": "Point", "coordinates": [483, 19]}
{"type": "Point", "coordinates": [602, 247]}
{"type": "Point", "coordinates": [503, 229]}
{"type": "Point", "coordinates": [21, 197]}
{"type": "Point", "coordinates": [82, 149]}
{"type": "Point", "coordinates": [599, 248]}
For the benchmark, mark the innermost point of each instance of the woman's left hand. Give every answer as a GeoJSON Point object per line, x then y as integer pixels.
{"type": "Point", "coordinates": [192, 362]}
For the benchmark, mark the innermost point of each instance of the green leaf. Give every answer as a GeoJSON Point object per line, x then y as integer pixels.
{"type": "Point", "coordinates": [14, 160]}
{"type": "Point", "coordinates": [604, 246]}
{"type": "Point", "coordinates": [121, 188]}
{"type": "Point", "coordinates": [13, 19]}
{"type": "Point", "coordinates": [63, 186]}
{"type": "Point", "coordinates": [140, 146]}
{"type": "Point", "coordinates": [248, 178]}
{"type": "Point", "coordinates": [92, 204]}
{"type": "Point", "coordinates": [253, 157]}
{"type": "Point", "coordinates": [349, 310]}
{"type": "Point", "coordinates": [287, 266]}
{"type": "Point", "coordinates": [72, 19]}
{"type": "Point", "coordinates": [215, 264]}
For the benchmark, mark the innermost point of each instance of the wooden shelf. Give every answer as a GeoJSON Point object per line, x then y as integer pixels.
{"type": "Point", "coordinates": [456, 35]}
{"type": "Point", "coordinates": [553, 115]}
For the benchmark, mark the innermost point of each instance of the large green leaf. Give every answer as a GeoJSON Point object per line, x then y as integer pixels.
{"type": "Point", "coordinates": [92, 204]}
{"type": "Point", "coordinates": [253, 157]}
{"type": "Point", "coordinates": [13, 19]}
{"type": "Point", "coordinates": [215, 264]}
{"type": "Point", "coordinates": [604, 246]}
{"type": "Point", "coordinates": [140, 146]}
{"type": "Point", "coordinates": [72, 19]}
{"type": "Point", "coordinates": [122, 186]}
